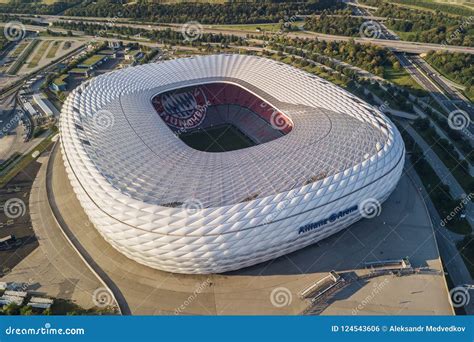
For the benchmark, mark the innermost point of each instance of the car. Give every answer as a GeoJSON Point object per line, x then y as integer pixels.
{"type": "Point", "coordinates": [9, 242]}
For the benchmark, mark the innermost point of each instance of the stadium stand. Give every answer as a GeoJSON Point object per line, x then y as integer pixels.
{"type": "Point", "coordinates": [322, 286]}
{"type": "Point", "coordinates": [225, 103]}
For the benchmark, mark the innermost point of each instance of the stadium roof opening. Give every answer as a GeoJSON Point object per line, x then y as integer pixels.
{"type": "Point", "coordinates": [220, 117]}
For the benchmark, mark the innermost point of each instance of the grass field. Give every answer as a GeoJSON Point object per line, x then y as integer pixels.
{"type": "Point", "coordinates": [217, 139]}
{"type": "Point", "coordinates": [39, 54]}
{"type": "Point", "coordinates": [21, 162]}
{"type": "Point", "coordinates": [401, 78]}
{"type": "Point", "coordinates": [462, 8]}
{"type": "Point", "coordinates": [26, 52]}
{"type": "Point", "coordinates": [19, 49]}
{"type": "Point", "coordinates": [469, 93]}
{"type": "Point", "coordinates": [272, 27]}
{"type": "Point", "coordinates": [53, 50]}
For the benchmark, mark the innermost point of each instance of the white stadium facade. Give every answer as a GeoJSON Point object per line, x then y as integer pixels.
{"type": "Point", "coordinates": [314, 159]}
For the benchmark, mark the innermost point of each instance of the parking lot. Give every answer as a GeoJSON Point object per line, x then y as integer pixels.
{"type": "Point", "coordinates": [15, 219]}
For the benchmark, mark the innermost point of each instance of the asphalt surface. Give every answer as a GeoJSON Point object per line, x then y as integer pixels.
{"type": "Point", "coordinates": [447, 97]}
{"type": "Point", "coordinates": [53, 269]}
{"type": "Point", "coordinates": [442, 171]}
{"type": "Point", "coordinates": [452, 99]}
{"type": "Point", "coordinates": [402, 229]}
{"type": "Point", "coordinates": [8, 114]}
{"type": "Point", "coordinates": [396, 45]}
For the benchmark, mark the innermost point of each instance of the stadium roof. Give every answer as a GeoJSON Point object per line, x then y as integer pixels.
{"type": "Point", "coordinates": [125, 151]}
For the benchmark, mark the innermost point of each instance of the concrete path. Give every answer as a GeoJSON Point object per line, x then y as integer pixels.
{"type": "Point", "coordinates": [54, 269]}
{"type": "Point", "coordinates": [402, 229]}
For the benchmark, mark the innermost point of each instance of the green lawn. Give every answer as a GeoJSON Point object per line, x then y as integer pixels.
{"type": "Point", "coordinates": [19, 49]}
{"type": "Point", "coordinates": [21, 162]}
{"type": "Point", "coordinates": [253, 27]}
{"type": "Point", "coordinates": [92, 60]}
{"type": "Point", "coordinates": [39, 53]}
{"type": "Point", "coordinates": [438, 192]}
{"type": "Point", "coordinates": [468, 94]}
{"type": "Point", "coordinates": [53, 50]}
{"type": "Point", "coordinates": [217, 139]}
{"type": "Point", "coordinates": [401, 78]}
{"type": "Point", "coordinates": [23, 57]}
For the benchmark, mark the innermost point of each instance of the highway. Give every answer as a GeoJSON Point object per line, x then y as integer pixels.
{"type": "Point", "coordinates": [430, 80]}
{"type": "Point", "coordinates": [449, 98]}
{"type": "Point", "coordinates": [396, 45]}
{"type": "Point", "coordinates": [446, 241]}
{"type": "Point", "coordinates": [436, 86]}
{"type": "Point", "coordinates": [409, 63]}
{"type": "Point", "coordinates": [444, 174]}
{"type": "Point", "coordinates": [460, 102]}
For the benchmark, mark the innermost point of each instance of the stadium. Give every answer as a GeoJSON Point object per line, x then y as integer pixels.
{"type": "Point", "coordinates": [214, 163]}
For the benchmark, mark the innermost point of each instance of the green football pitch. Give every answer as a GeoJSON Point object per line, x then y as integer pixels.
{"type": "Point", "coordinates": [221, 138]}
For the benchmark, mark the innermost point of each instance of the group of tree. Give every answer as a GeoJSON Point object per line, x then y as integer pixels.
{"type": "Point", "coordinates": [3, 42]}
{"type": "Point", "coordinates": [459, 67]}
{"type": "Point", "coordinates": [252, 12]}
{"type": "Point", "coordinates": [437, 6]}
{"type": "Point", "coordinates": [166, 36]}
{"type": "Point", "coordinates": [369, 57]}
{"type": "Point", "coordinates": [466, 248]}
{"type": "Point", "coordinates": [446, 151]}
{"type": "Point", "coordinates": [428, 26]}
{"type": "Point", "coordinates": [37, 7]}
{"type": "Point", "coordinates": [343, 24]}
{"type": "Point", "coordinates": [452, 8]}
{"type": "Point", "coordinates": [459, 138]}
{"type": "Point", "coordinates": [61, 307]}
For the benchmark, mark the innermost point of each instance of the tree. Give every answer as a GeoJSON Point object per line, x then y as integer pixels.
{"type": "Point", "coordinates": [26, 310]}
{"type": "Point", "coordinates": [11, 309]}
